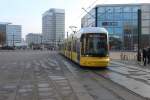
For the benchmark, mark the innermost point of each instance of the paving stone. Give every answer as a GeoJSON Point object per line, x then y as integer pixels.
{"type": "Point", "coordinates": [66, 88]}
{"type": "Point", "coordinates": [41, 85]}
{"type": "Point", "coordinates": [46, 93]}
{"type": "Point", "coordinates": [44, 89]}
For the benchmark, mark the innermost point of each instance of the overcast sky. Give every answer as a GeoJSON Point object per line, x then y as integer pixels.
{"type": "Point", "coordinates": [28, 13]}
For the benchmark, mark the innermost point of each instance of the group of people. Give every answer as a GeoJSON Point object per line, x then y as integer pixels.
{"type": "Point", "coordinates": [146, 55]}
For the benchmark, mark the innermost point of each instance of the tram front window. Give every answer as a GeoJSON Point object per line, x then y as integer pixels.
{"type": "Point", "coordinates": [94, 45]}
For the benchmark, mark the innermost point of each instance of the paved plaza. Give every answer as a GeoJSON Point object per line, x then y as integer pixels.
{"type": "Point", "coordinates": [46, 75]}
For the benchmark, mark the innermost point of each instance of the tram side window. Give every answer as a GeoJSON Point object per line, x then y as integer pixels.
{"type": "Point", "coordinates": [86, 44]}
{"type": "Point", "coordinates": [65, 46]}
{"type": "Point", "coordinates": [82, 46]}
{"type": "Point", "coordinates": [69, 46]}
{"type": "Point", "coordinates": [74, 45]}
{"type": "Point", "coordinates": [78, 46]}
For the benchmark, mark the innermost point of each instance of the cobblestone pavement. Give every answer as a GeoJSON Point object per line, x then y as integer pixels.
{"type": "Point", "coordinates": [45, 75]}
{"type": "Point", "coordinates": [33, 75]}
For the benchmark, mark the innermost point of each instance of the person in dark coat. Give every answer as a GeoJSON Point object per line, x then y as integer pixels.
{"type": "Point", "coordinates": [148, 55]}
{"type": "Point", "coordinates": [144, 56]}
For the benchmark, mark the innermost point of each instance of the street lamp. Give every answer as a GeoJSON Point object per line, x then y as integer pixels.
{"type": "Point", "coordinates": [139, 35]}
{"type": "Point", "coordinates": [41, 41]}
{"type": "Point", "coordinates": [73, 28]}
{"type": "Point", "coordinates": [13, 39]}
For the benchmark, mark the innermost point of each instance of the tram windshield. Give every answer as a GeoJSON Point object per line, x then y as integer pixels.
{"type": "Point", "coordinates": [94, 45]}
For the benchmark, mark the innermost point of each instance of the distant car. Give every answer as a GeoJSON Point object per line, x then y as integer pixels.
{"type": "Point", "coordinates": [7, 48]}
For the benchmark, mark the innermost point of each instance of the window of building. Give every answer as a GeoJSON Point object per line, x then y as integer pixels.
{"type": "Point", "coordinates": [120, 23]}
{"type": "Point", "coordinates": [145, 23]}
{"type": "Point", "coordinates": [127, 15]}
{"type": "Point", "coordinates": [145, 30]}
{"type": "Point", "coordinates": [118, 16]}
{"type": "Point", "coordinates": [101, 9]}
{"type": "Point", "coordinates": [127, 9]}
{"type": "Point", "coordinates": [109, 10]}
{"type": "Point", "coordinates": [145, 15]}
{"type": "Point", "coordinates": [118, 31]}
{"type": "Point", "coordinates": [101, 16]}
{"type": "Point", "coordinates": [135, 9]}
{"type": "Point", "coordinates": [109, 16]}
{"type": "Point", "coordinates": [118, 9]}
{"type": "Point", "coordinates": [134, 15]}
{"type": "Point", "coordinates": [99, 23]}
{"type": "Point", "coordinates": [145, 8]}
{"type": "Point", "coordinates": [110, 30]}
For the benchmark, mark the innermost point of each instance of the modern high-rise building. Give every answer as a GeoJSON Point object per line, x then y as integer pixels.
{"type": "Point", "coordinates": [121, 21]}
{"type": "Point", "coordinates": [10, 34]}
{"type": "Point", "coordinates": [53, 26]}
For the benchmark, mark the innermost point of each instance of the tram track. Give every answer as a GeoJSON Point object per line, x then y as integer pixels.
{"type": "Point", "coordinates": [56, 80]}
{"type": "Point", "coordinates": [135, 73]}
{"type": "Point", "coordinates": [100, 73]}
{"type": "Point", "coordinates": [109, 69]}
{"type": "Point", "coordinates": [112, 71]}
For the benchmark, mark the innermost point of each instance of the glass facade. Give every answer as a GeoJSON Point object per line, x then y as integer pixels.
{"type": "Point", "coordinates": [145, 25]}
{"type": "Point", "coordinates": [88, 20]}
{"type": "Point", "coordinates": [121, 21]}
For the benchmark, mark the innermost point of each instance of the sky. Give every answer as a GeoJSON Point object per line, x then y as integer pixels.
{"type": "Point", "coordinates": [28, 13]}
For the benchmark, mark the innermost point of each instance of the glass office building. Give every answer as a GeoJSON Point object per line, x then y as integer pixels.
{"type": "Point", "coordinates": [121, 21]}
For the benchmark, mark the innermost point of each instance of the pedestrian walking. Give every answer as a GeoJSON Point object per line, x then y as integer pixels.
{"type": "Point", "coordinates": [148, 56]}
{"type": "Point", "coordinates": [144, 56]}
{"type": "Point", "coordinates": [139, 56]}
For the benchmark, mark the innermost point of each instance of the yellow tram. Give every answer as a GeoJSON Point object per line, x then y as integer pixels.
{"type": "Point", "coordinates": [89, 47]}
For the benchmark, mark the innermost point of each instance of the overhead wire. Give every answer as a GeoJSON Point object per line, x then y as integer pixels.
{"type": "Point", "coordinates": [87, 9]}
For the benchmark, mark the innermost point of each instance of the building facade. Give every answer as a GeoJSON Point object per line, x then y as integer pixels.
{"type": "Point", "coordinates": [13, 35]}
{"type": "Point", "coordinates": [121, 21]}
{"type": "Point", "coordinates": [53, 26]}
{"type": "Point", "coordinates": [34, 38]}
{"type": "Point", "coordinates": [2, 34]}
{"type": "Point", "coordinates": [10, 34]}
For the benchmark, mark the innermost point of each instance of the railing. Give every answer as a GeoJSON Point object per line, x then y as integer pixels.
{"type": "Point", "coordinates": [126, 57]}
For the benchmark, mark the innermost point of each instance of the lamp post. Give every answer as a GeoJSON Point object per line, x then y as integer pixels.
{"type": "Point", "coordinates": [13, 40]}
{"type": "Point", "coordinates": [139, 35]}
{"type": "Point", "coordinates": [73, 28]}
{"type": "Point", "coordinates": [41, 41]}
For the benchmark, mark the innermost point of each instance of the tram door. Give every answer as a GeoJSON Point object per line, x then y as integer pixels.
{"type": "Point", "coordinates": [78, 50]}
